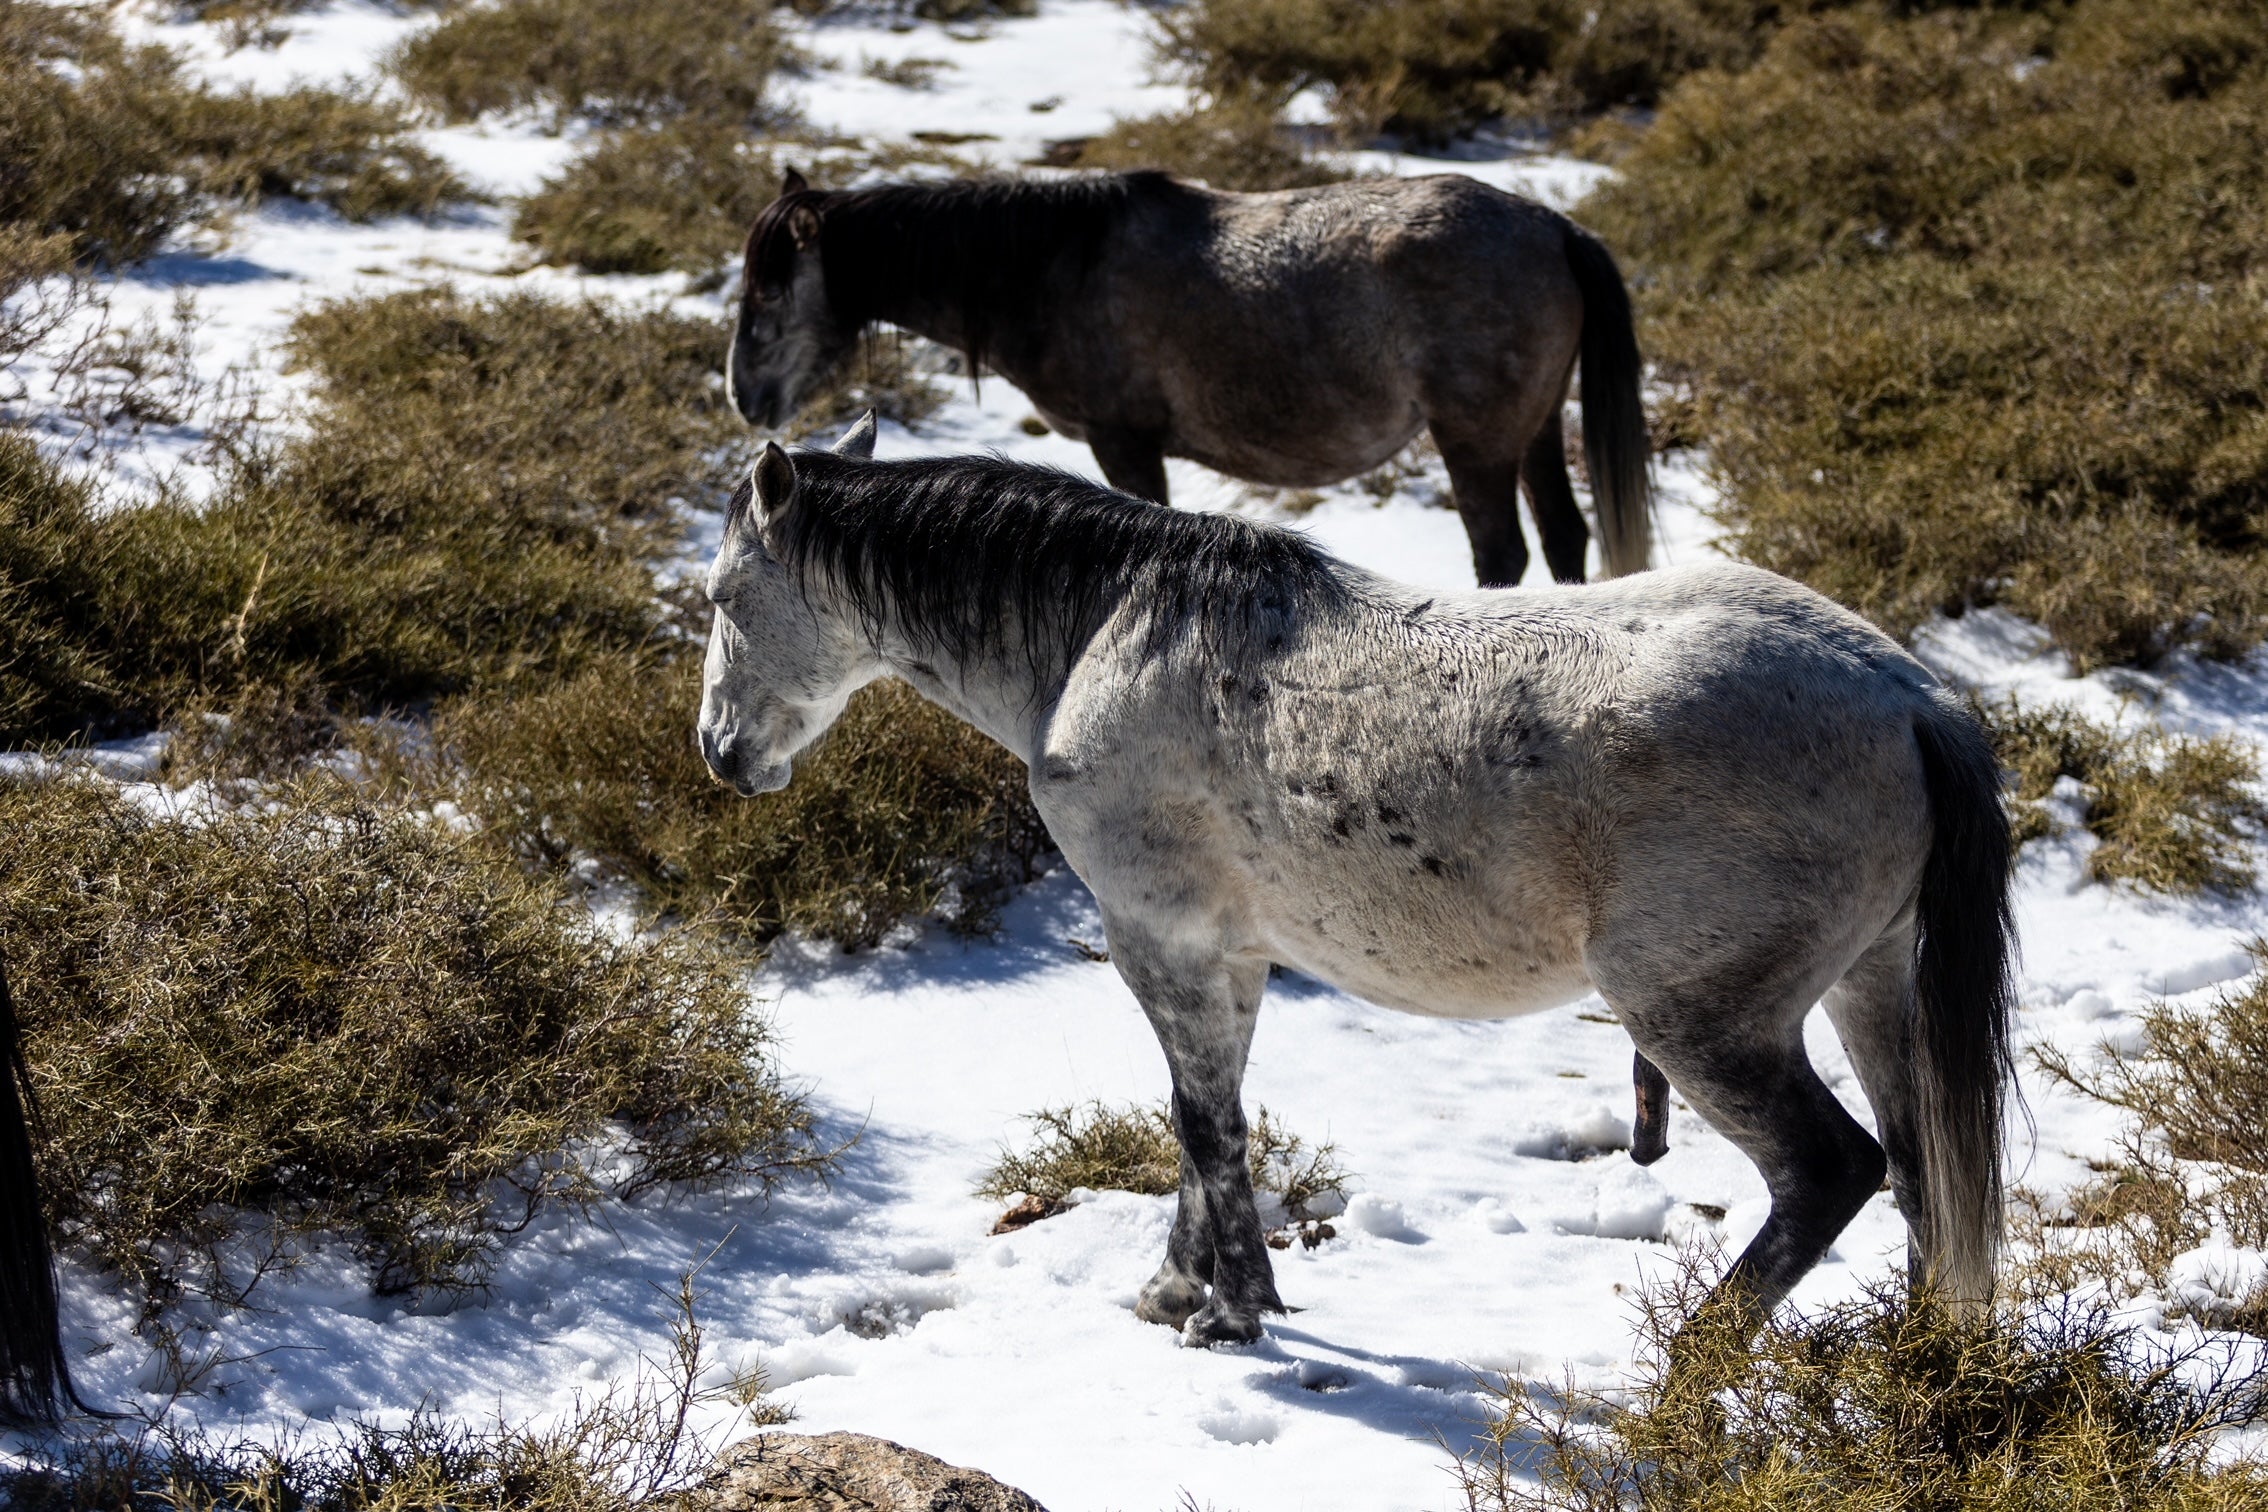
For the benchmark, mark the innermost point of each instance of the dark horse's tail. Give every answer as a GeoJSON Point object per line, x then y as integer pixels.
{"type": "Point", "coordinates": [1614, 417]}
{"type": "Point", "coordinates": [1965, 993]}
{"type": "Point", "coordinates": [35, 1379]}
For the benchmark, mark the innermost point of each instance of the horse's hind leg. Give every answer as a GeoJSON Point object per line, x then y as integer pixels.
{"type": "Point", "coordinates": [1551, 499]}
{"type": "Point", "coordinates": [1745, 1071]}
{"type": "Point", "coordinates": [1872, 1009]}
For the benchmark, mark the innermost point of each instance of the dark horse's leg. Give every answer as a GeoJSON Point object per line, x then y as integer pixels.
{"type": "Point", "coordinates": [1487, 489]}
{"type": "Point", "coordinates": [1132, 460]}
{"type": "Point", "coordinates": [1551, 499]}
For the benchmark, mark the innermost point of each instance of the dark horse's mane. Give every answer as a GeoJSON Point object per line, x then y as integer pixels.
{"type": "Point", "coordinates": [987, 248]}
{"type": "Point", "coordinates": [959, 551]}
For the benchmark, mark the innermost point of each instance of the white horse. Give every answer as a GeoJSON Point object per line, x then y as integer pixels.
{"type": "Point", "coordinates": [1708, 794]}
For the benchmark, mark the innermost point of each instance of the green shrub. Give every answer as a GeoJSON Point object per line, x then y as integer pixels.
{"type": "Point", "coordinates": [1967, 311]}
{"type": "Point", "coordinates": [2173, 813]}
{"type": "Point", "coordinates": [112, 146]}
{"type": "Point", "coordinates": [1235, 144]}
{"type": "Point", "coordinates": [610, 62]}
{"type": "Point", "coordinates": [1134, 1149]}
{"type": "Point", "coordinates": [346, 1018]}
{"type": "Point", "coordinates": [1881, 1402]}
{"type": "Point", "coordinates": [903, 810]}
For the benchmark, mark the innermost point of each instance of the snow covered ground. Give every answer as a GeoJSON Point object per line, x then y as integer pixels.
{"type": "Point", "coordinates": [1475, 1244]}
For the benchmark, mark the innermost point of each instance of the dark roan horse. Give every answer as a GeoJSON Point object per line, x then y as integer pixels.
{"type": "Point", "coordinates": [1293, 339]}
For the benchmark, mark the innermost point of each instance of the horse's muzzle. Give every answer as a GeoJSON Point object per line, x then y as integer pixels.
{"type": "Point", "coordinates": [727, 767]}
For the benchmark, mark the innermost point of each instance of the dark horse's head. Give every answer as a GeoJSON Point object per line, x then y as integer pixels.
{"type": "Point", "coordinates": [787, 337]}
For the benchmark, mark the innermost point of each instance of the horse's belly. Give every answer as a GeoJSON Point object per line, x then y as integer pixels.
{"type": "Point", "coordinates": [1456, 964]}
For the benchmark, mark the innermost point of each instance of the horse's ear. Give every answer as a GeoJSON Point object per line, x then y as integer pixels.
{"type": "Point", "coordinates": [803, 225]}
{"type": "Point", "coordinates": [858, 441]}
{"type": "Point", "coordinates": [775, 486]}
{"type": "Point", "coordinates": [793, 183]}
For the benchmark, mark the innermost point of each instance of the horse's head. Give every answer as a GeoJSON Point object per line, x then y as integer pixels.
{"type": "Point", "coordinates": [787, 337]}
{"type": "Point", "coordinates": [782, 661]}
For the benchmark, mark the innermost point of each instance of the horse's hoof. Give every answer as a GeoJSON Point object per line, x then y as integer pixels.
{"type": "Point", "coordinates": [1171, 1304]}
{"type": "Point", "coordinates": [1210, 1326]}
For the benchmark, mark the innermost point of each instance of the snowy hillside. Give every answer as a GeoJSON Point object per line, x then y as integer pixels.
{"type": "Point", "coordinates": [1487, 1233]}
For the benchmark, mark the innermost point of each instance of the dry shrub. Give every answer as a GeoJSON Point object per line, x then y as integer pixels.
{"type": "Point", "coordinates": [344, 1018]}
{"type": "Point", "coordinates": [2194, 1166]}
{"type": "Point", "coordinates": [681, 195]}
{"type": "Point", "coordinates": [37, 292]}
{"type": "Point", "coordinates": [1970, 309]}
{"type": "Point", "coordinates": [651, 199]}
{"type": "Point", "coordinates": [2174, 813]}
{"type": "Point", "coordinates": [1882, 1402]}
{"type": "Point", "coordinates": [1133, 1149]}
{"type": "Point", "coordinates": [1433, 68]}
{"type": "Point", "coordinates": [478, 499]}
{"type": "Point", "coordinates": [902, 812]}
{"type": "Point", "coordinates": [610, 62]}
{"type": "Point", "coordinates": [628, 1447]}
{"type": "Point", "coordinates": [1233, 144]}
{"type": "Point", "coordinates": [114, 147]}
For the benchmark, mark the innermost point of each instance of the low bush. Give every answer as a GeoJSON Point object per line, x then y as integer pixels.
{"type": "Point", "coordinates": [1882, 1402]}
{"type": "Point", "coordinates": [345, 1018]}
{"type": "Point", "coordinates": [2193, 1169]}
{"type": "Point", "coordinates": [1433, 68]}
{"type": "Point", "coordinates": [478, 499]}
{"type": "Point", "coordinates": [112, 146]}
{"type": "Point", "coordinates": [1235, 144]}
{"type": "Point", "coordinates": [682, 194]}
{"type": "Point", "coordinates": [1133, 1149]}
{"type": "Point", "coordinates": [2173, 813]}
{"type": "Point", "coordinates": [608, 62]}
{"type": "Point", "coordinates": [1967, 310]}
{"type": "Point", "coordinates": [903, 811]}
{"type": "Point", "coordinates": [652, 199]}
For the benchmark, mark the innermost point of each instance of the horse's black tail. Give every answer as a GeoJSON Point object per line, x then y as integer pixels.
{"type": "Point", "coordinates": [35, 1379]}
{"type": "Point", "coordinates": [1614, 417]}
{"type": "Point", "coordinates": [1965, 994]}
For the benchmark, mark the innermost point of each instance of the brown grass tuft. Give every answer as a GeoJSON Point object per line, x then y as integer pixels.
{"type": "Point", "coordinates": [609, 62]}
{"type": "Point", "coordinates": [2174, 813]}
{"type": "Point", "coordinates": [1134, 1149]}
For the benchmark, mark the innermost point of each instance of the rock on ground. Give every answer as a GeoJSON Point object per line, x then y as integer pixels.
{"type": "Point", "coordinates": [847, 1472]}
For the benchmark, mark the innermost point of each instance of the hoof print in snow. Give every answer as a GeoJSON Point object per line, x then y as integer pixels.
{"type": "Point", "coordinates": [1026, 1213]}
{"type": "Point", "coordinates": [847, 1472]}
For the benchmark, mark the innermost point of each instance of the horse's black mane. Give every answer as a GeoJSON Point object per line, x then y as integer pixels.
{"type": "Point", "coordinates": [987, 248]}
{"type": "Point", "coordinates": [960, 551]}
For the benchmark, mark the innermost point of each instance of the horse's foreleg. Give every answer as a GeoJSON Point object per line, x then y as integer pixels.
{"type": "Point", "coordinates": [1484, 477]}
{"type": "Point", "coordinates": [1133, 461]}
{"type": "Point", "coordinates": [1203, 1013]}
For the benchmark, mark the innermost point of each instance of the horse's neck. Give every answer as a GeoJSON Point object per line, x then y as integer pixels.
{"type": "Point", "coordinates": [937, 306]}
{"type": "Point", "coordinates": [998, 691]}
